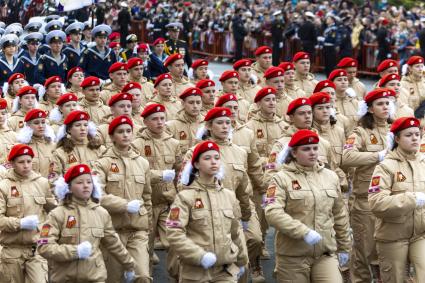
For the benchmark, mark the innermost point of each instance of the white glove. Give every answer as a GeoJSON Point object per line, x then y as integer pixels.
{"type": "Point", "coordinates": [420, 199]}
{"type": "Point", "coordinates": [84, 250]}
{"type": "Point", "coordinates": [133, 206]}
{"type": "Point", "coordinates": [208, 260]}
{"type": "Point", "coordinates": [312, 238]}
{"type": "Point", "coordinates": [382, 154]}
{"type": "Point", "coordinates": [29, 222]}
{"type": "Point", "coordinates": [168, 175]}
{"type": "Point", "coordinates": [241, 271]}
{"type": "Point", "coordinates": [244, 225]}
{"type": "Point", "coordinates": [343, 258]}
{"type": "Point", "coordinates": [129, 276]}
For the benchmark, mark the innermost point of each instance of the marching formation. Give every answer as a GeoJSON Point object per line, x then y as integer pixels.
{"type": "Point", "coordinates": [110, 154]}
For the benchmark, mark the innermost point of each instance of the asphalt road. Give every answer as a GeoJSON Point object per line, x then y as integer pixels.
{"type": "Point", "coordinates": [160, 271]}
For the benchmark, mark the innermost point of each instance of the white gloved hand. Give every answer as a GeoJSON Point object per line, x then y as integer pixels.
{"type": "Point", "coordinates": [84, 250]}
{"type": "Point", "coordinates": [129, 276]}
{"type": "Point", "coordinates": [168, 175]}
{"type": "Point", "coordinates": [133, 206]}
{"type": "Point", "coordinates": [241, 271]}
{"type": "Point", "coordinates": [208, 260]}
{"type": "Point", "coordinates": [312, 238]}
{"type": "Point", "coordinates": [382, 154]}
{"type": "Point", "coordinates": [343, 258]}
{"type": "Point", "coordinates": [244, 225]}
{"type": "Point", "coordinates": [29, 222]}
{"type": "Point", "coordinates": [420, 199]}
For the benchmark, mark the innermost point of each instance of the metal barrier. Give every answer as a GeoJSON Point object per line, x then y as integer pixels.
{"type": "Point", "coordinates": [214, 44]}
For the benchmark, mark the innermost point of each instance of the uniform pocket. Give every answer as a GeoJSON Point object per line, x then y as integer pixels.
{"type": "Point", "coordinates": [68, 236]}
{"type": "Point", "coordinates": [40, 200]}
{"type": "Point", "coordinates": [169, 159]}
{"type": "Point", "coordinates": [199, 217]}
{"type": "Point", "coordinates": [14, 207]}
{"type": "Point", "coordinates": [298, 200]}
{"type": "Point", "coordinates": [97, 232]}
{"type": "Point", "coordinates": [113, 185]}
{"type": "Point", "coordinates": [228, 218]}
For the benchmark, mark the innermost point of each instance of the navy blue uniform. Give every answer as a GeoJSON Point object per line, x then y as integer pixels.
{"type": "Point", "coordinates": [332, 41]}
{"type": "Point", "coordinates": [156, 66]}
{"type": "Point", "coordinates": [7, 70]}
{"type": "Point", "coordinates": [74, 56]}
{"type": "Point", "coordinates": [29, 66]}
{"type": "Point", "coordinates": [96, 64]}
{"type": "Point", "coordinates": [48, 67]}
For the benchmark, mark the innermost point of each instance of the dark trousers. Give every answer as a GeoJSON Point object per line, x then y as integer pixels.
{"type": "Point", "coordinates": [238, 49]}
{"type": "Point", "coordinates": [330, 58]}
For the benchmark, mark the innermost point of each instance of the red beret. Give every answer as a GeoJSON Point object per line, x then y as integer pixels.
{"type": "Point", "coordinates": [242, 63]}
{"type": "Point", "coordinates": [134, 62]}
{"type": "Point", "coordinates": [114, 35]}
{"type": "Point", "coordinates": [225, 98]}
{"type": "Point", "coordinates": [162, 77]}
{"type": "Point", "coordinates": [296, 103]}
{"type": "Point", "coordinates": [263, 50]}
{"type": "Point", "coordinates": [117, 66]}
{"type": "Point", "coordinates": [26, 90]}
{"type": "Point", "coordinates": [90, 81]}
{"type": "Point", "coordinates": [142, 47]}
{"type": "Point", "coordinates": [152, 109]}
{"type": "Point", "coordinates": [404, 123]}
{"type": "Point", "coordinates": [73, 71]}
{"type": "Point", "coordinates": [75, 171]}
{"type": "Point", "coordinates": [347, 62]}
{"type": "Point", "coordinates": [198, 63]}
{"type": "Point", "coordinates": [228, 75]}
{"type": "Point", "coordinates": [159, 40]}
{"type": "Point", "coordinates": [14, 77]}
{"type": "Point", "coordinates": [75, 116]}
{"type": "Point", "coordinates": [203, 147]}
{"type": "Point", "coordinates": [3, 103]}
{"type": "Point", "coordinates": [388, 77]}
{"type": "Point", "coordinates": [273, 72]}
{"type": "Point", "coordinates": [51, 80]}
{"type": "Point", "coordinates": [264, 92]}
{"type": "Point", "coordinates": [303, 137]}
{"type": "Point", "coordinates": [205, 83]}
{"type": "Point", "coordinates": [18, 150]}
{"type": "Point", "coordinates": [300, 56]}
{"type": "Point", "coordinates": [386, 64]}
{"type": "Point", "coordinates": [378, 93]}
{"type": "Point", "coordinates": [384, 21]}
{"type": "Point", "coordinates": [190, 91]}
{"type": "Point", "coordinates": [320, 98]}
{"type": "Point", "coordinates": [130, 86]}
{"type": "Point", "coordinates": [120, 120]}
{"type": "Point", "coordinates": [217, 112]}
{"type": "Point", "coordinates": [67, 97]}
{"type": "Point", "coordinates": [337, 73]}
{"type": "Point", "coordinates": [413, 60]}
{"type": "Point", "coordinates": [286, 66]}
{"type": "Point", "coordinates": [34, 114]}
{"type": "Point", "coordinates": [114, 44]}
{"type": "Point", "coordinates": [323, 84]}
{"type": "Point", "coordinates": [172, 58]}
{"type": "Point", "coordinates": [187, 4]}
{"type": "Point", "coordinates": [118, 97]}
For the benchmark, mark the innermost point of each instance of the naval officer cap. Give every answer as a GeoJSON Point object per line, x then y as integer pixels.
{"type": "Point", "coordinates": [55, 35]}
{"type": "Point", "coordinates": [9, 39]}
{"type": "Point", "coordinates": [174, 26]}
{"type": "Point", "coordinates": [14, 28]}
{"type": "Point", "coordinates": [51, 18]}
{"type": "Point", "coordinates": [53, 25]}
{"type": "Point", "coordinates": [75, 28]}
{"type": "Point", "coordinates": [87, 25]}
{"type": "Point", "coordinates": [101, 30]}
{"type": "Point", "coordinates": [33, 26]}
{"type": "Point", "coordinates": [33, 36]}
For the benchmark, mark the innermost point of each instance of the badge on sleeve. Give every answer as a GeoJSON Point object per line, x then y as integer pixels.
{"type": "Point", "coordinates": [148, 150]}
{"type": "Point", "coordinates": [270, 195]}
{"type": "Point", "coordinates": [71, 221]}
{"type": "Point", "coordinates": [71, 158]}
{"type": "Point", "coordinates": [173, 220]}
{"type": "Point", "coordinates": [183, 135]}
{"type": "Point", "coordinates": [374, 185]}
{"type": "Point", "coordinates": [114, 168]}
{"type": "Point", "coordinates": [373, 139]}
{"type": "Point", "coordinates": [260, 134]}
{"type": "Point", "coordinates": [14, 192]}
{"type": "Point", "coordinates": [349, 143]}
{"type": "Point", "coordinates": [198, 203]}
{"type": "Point", "coordinates": [45, 231]}
{"type": "Point", "coordinates": [272, 157]}
{"type": "Point", "coordinates": [400, 177]}
{"type": "Point", "coordinates": [295, 185]}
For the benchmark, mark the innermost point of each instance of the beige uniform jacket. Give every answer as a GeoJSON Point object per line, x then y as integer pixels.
{"type": "Point", "coordinates": [172, 106]}
{"type": "Point", "coordinates": [43, 155]}
{"type": "Point", "coordinates": [204, 218]}
{"type": "Point", "coordinates": [109, 91]}
{"type": "Point", "coordinates": [359, 88]}
{"type": "Point", "coordinates": [102, 133]}
{"type": "Point", "coordinates": [266, 132]}
{"type": "Point", "coordinates": [69, 225]}
{"type": "Point", "coordinates": [392, 197]}
{"type": "Point", "coordinates": [248, 91]}
{"type": "Point", "coordinates": [234, 162]}
{"type": "Point", "coordinates": [307, 83]}
{"type": "Point", "coordinates": [7, 140]}
{"type": "Point", "coordinates": [19, 198]}
{"type": "Point", "coordinates": [96, 110]}
{"type": "Point", "coordinates": [243, 105]}
{"type": "Point", "coordinates": [403, 110]}
{"type": "Point", "coordinates": [300, 199]}
{"type": "Point", "coordinates": [9, 100]}
{"type": "Point", "coordinates": [258, 72]}
{"type": "Point", "coordinates": [181, 85]}
{"type": "Point", "coordinates": [415, 88]}
{"type": "Point", "coordinates": [348, 106]}
{"type": "Point", "coordinates": [361, 151]}
{"type": "Point", "coordinates": [47, 105]}
{"type": "Point", "coordinates": [206, 108]}
{"type": "Point", "coordinates": [294, 92]}
{"type": "Point", "coordinates": [147, 90]}
{"type": "Point", "coordinates": [125, 176]}
{"type": "Point", "coordinates": [78, 93]}
{"type": "Point", "coordinates": [16, 120]}
{"type": "Point", "coordinates": [183, 128]}
{"type": "Point", "coordinates": [282, 102]}
{"type": "Point", "coordinates": [163, 153]}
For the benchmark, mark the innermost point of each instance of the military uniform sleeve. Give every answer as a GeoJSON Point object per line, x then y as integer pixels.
{"type": "Point", "coordinates": [147, 190]}
{"type": "Point", "coordinates": [341, 223]}
{"type": "Point", "coordinates": [48, 245]}
{"type": "Point", "coordinates": [255, 169]}
{"type": "Point", "coordinates": [7, 224]}
{"type": "Point", "coordinates": [272, 164]}
{"type": "Point", "coordinates": [58, 164]}
{"type": "Point", "coordinates": [239, 239]}
{"type": "Point", "coordinates": [382, 201]}
{"type": "Point", "coordinates": [113, 244]}
{"type": "Point", "coordinates": [84, 62]}
{"type": "Point", "coordinates": [39, 72]}
{"type": "Point", "coordinates": [242, 195]}
{"type": "Point", "coordinates": [276, 215]}
{"type": "Point", "coordinates": [188, 250]}
{"type": "Point", "coordinates": [51, 202]}
{"type": "Point", "coordinates": [352, 156]}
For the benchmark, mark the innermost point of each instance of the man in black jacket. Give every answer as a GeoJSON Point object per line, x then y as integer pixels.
{"type": "Point", "coordinates": [278, 26]}
{"type": "Point", "coordinates": [124, 19]}
{"type": "Point", "coordinates": [239, 33]}
{"type": "Point", "coordinates": [384, 41]}
{"type": "Point", "coordinates": [307, 33]}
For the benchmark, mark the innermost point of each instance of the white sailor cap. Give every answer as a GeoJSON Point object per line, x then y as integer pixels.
{"type": "Point", "coordinates": [174, 26]}
{"type": "Point", "coordinates": [14, 28]}
{"type": "Point", "coordinates": [53, 25]}
{"type": "Point", "coordinates": [131, 38]}
{"type": "Point", "coordinates": [2, 25]}
{"type": "Point", "coordinates": [51, 18]}
{"type": "Point", "coordinates": [9, 39]}
{"type": "Point", "coordinates": [33, 36]}
{"type": "Point", "coordinates": [33, 26]}
{"type": "Point", "coordinates": [101, 30]}
{"type": "Point", "coordinates": [77, 26]}
{"type": "Point", "coordinates": [55, 35]}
